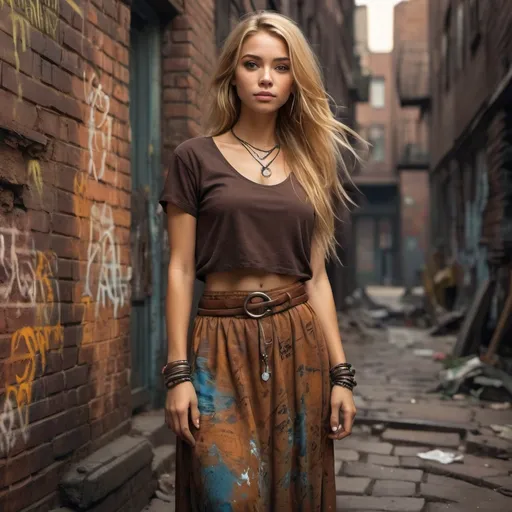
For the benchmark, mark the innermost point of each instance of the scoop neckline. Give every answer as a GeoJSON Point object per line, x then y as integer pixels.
{"type": "Point", "coordinates": [225, 160]}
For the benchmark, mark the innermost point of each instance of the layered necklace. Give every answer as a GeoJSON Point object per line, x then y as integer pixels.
{"type": "Point", "coordinates": [256, 152]}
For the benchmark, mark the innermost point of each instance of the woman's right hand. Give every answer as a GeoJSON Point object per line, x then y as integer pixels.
{"type": "Point", "coordinates": [181, 399]}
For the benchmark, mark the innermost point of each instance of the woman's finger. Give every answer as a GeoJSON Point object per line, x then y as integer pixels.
{"type": "Point", "coordinates": [348, 419]}
{"type": "Point", "coordinates": [185, 428]}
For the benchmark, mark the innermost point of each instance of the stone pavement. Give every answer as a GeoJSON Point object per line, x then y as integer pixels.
{"type": "Point", "coordinates": [377, 467]}
{"type": "Point", "coordinates": [399, 416]}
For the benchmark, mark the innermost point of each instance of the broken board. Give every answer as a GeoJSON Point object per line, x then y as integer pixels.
{"type": "Point", "coordinates": [472, 326]}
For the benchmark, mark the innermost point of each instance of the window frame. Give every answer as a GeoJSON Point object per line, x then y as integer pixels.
{"type": "Point", "coordinates": [371, 140]}
{"type": "Point", "coordinates": [378, 79]}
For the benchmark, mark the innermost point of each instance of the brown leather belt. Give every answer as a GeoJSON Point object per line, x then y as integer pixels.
{"type": "Point", "coordinates": [253, 304]}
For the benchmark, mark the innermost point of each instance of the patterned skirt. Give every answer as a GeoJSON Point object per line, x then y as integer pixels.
{"type": "Point", "coordinates": [261, 374]}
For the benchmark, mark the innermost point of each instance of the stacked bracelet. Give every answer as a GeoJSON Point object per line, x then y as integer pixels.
{"type": "Point", "coordinates": [343, 375]}
{"type": "Point", "coordinates": [176, 372]}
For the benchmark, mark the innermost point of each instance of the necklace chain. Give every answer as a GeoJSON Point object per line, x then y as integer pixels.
{"type": "Point", "coordinates": [266, 172]}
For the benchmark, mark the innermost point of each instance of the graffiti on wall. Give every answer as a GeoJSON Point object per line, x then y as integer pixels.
{"type": "Point", "coordinates": [28, 281]}
{"type": "Point", "coordinates": [473, 255]}
{"type": "Point", "coordinates": [42, 15]}
{"type": "Point", "coordinates": [104, 260]}
{"type": "Point", "coordinates": [99, 126]}
{"type": "Point", "coordinates": [106, 282]}
{"type": "Point", "coordinates": [35, 175]}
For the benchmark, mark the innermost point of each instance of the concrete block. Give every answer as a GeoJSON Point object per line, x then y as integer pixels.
{"type": "Point", "coordinates": [92, 479]}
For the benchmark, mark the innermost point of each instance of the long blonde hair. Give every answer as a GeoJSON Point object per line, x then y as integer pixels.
{"type": "Point", "coordinates": [306, 127]}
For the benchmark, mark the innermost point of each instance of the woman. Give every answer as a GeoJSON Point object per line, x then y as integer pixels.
{"type": "Point", "coordinates": [250, 212]}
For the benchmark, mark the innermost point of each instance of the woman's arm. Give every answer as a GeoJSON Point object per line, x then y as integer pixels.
{"type": "Point", "coordinates": [181, 403]}
{"type": "Point", "coordinates": [181, 228]}
{"type": "Point", "coordinates": [321, 299]}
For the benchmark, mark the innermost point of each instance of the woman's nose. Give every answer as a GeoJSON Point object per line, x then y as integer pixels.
{"type": "Point", "coordinates": [266, 79]}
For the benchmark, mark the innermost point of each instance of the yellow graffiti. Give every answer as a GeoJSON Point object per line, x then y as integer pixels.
{"type": "Point", "coordinates": [42, 15]}
{"type": "Point", "coordinates": [75, 7]}
{"type": "Point", "coordinates": [34, 172]}
{"type": "Point", "coordinates": [80, 184]}
{"type": "Point", "coordinates": [26, 344]}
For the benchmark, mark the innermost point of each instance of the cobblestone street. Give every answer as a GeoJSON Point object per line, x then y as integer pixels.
{"type": "Point", "coordinates": [377, 466]}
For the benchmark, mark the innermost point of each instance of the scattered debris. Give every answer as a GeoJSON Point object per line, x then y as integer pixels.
{"type": "Point", "coordinates": [504, 431]}
{"type": "Point", "coordinates": [448, 323]}
{"type": "Point", "coordinates": [166, 489]}
{"type": "Point", "coordinates": [441, 456]}
{"type": "Point", "coordinates": [473, 376]}
{"type": "Point", "coordinates": [423, 352]}
{"type": "Point", "coordinates": [500, 406]}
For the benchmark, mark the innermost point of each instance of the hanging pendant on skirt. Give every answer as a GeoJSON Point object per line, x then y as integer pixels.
{"type": "Point", "coordinates": [266, 373]}
{"type": "Point", "coordinates": [266, 172]}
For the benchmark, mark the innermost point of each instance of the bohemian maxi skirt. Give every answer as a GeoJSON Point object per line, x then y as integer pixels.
{"type": "Point", "coordinates": [260, 369]}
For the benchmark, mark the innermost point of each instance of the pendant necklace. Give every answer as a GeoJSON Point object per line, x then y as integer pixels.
{"type": "Point", "coordinates": [253, 151]}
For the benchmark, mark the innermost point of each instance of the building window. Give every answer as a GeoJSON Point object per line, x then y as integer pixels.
{"type": "Point", "coordinates": [377, 92]}
{"type": "Point", "coordinates": [376, 139]}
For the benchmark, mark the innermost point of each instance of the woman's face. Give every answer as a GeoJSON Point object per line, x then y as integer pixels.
{"type": "Point", "coordinates": [263, 76]}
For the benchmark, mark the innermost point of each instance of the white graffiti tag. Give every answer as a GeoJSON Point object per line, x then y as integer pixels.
{"type": "Point", "coordinates": [99, 126]}
{"type": "Point", "coordinates": [104, 253]}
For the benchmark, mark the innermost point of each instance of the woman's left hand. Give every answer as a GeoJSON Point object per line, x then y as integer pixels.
{"type": "Point", "coordinates": [341, 400]}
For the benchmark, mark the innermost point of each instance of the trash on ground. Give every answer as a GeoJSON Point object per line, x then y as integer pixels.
{"type": "Point", "coordinates": [478, 379]}
{"type": "Point", "coordinates": [500, 406]}
{"type": "Point", "coordinates": [423, 352]}
{"type": "Point", "coordinates": [504, 431]}
{"type": "Point", "coordinates": [441, 456]}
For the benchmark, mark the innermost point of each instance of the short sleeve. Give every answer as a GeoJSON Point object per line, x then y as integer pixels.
{"type": "Point", "coordinates": [181, 187]}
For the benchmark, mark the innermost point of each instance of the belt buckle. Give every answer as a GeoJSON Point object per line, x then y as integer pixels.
{"type": "Point", "coordinates": [257, 294]}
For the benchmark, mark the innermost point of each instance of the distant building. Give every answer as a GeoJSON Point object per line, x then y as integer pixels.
{"type": "Point", "coordinates": [376, 223]}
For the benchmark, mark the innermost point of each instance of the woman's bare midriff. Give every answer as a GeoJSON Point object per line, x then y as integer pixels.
{"type": "Point", "coordinates": [246, 280]}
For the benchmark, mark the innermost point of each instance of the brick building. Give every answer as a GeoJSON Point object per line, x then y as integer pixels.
{"type": "Point", "coordinates": [94, 96]}
{"type": "Point", "coordinates": [389, 226]}
{"type": "Point", "coordinates": [471, 127]}
{"type": "Point", "coordinates": [376, 221]}
{"type": "Point", "coordinates": [410, 133]}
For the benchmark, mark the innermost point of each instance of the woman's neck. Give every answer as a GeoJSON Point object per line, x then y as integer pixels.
{"type": "Point", "coordinates": [257, 129]}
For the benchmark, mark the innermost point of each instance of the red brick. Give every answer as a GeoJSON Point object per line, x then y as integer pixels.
{"type": "Point", "coordinates": [28, 463]}
{"type": "Point", "coordinates": [54, 383]}
{"type": "Point", "coordinates": [76, 376]}
{"type": "Point", "coordinates": [49, 123]}
{"type": "Point", "coordinates": [29, 491]}
{"type": "Point", "coordinates": [70, 441]}
{"type": "Point", "coordinates": [61, 80]}
{"type": "Point", "coordinates": [39, 221]}
{"type": "Point", "coordinates": [46, 72]}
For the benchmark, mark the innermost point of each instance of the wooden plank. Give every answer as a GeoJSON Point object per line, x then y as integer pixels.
{"type": "Point", "coordinates": [467, 339]}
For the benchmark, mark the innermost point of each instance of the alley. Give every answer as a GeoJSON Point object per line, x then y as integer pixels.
{"type": "Point", "coordinates": [399, 416]}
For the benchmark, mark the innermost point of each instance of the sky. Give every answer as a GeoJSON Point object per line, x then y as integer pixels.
{"type": "Point", "coordinates": [380, 24]}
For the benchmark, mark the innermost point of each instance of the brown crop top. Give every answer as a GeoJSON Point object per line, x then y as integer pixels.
{"type": "Point", "coordinates": [240, 223]}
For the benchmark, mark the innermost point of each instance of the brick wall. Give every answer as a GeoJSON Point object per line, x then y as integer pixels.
{"type": "Point", "coordinates": [414, 192]}
{"type": "Point", "coordinates": [188, 55]}
{"type": "Point", "coordinates": [64, 234]}
{"type": "Point", "coordinates": [379, 65]}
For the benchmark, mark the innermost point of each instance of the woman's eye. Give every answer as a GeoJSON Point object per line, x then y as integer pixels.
{"type": "Point", "coordinates": [250, 65]}
{"type": "Point", "coordinates": [283, 68]}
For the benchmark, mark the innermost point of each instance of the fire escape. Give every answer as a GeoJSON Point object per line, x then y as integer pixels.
{"type": "Point", "coordinates": [413, 87]}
